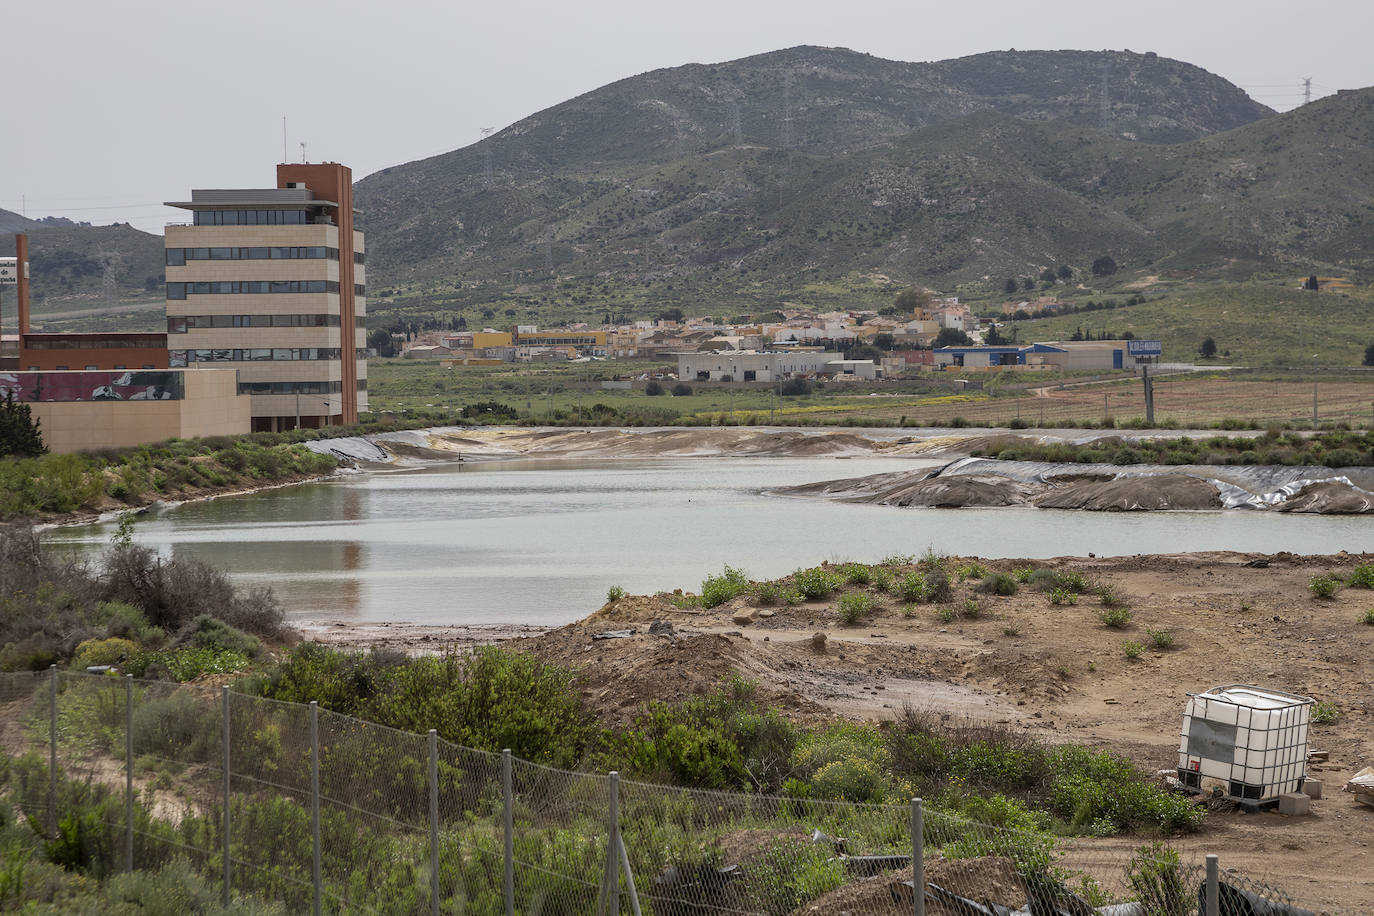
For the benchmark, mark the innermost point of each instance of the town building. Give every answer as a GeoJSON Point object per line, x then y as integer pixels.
{"type": "Point", "coordinates": [271, 282]}
{"type": "Point", "coordinates": [1085, 355]}
{"type": "Point", "coordinates": [752, 366]}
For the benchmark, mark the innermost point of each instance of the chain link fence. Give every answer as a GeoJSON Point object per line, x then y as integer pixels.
{"type": "Point", "coordinates": [330, 814]}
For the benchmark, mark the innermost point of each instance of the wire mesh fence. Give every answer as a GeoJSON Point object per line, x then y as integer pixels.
{"type": "Point", "coordinates": [325, 813]}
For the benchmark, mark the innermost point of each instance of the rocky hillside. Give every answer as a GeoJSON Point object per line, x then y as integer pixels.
{"type": "Point", "coordinates": [674, 182]}
{"type": "Point", "coordinates": [67, 261]}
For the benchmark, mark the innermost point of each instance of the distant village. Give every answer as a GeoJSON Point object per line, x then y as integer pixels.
{"type": "Point", "coordinates": [858, 344]}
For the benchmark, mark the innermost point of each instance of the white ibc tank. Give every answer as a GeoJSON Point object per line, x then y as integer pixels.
{"type": "Point", "coordinates": [1249, 741]}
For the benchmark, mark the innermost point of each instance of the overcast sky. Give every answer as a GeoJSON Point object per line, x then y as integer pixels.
{"type": "Point", "coordinates": [128, 104]}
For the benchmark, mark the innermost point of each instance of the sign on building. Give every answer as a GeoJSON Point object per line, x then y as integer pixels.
{"type": "Point", "coordinates": [1144, 347]}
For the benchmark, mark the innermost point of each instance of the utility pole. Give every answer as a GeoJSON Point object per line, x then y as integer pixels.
{"type": "Point", "coordinates": [1307, 90]}
{"type": "Point", "coordinates": [1149, 394]}
{"type": "Point", "coordinates": [1314, 392]}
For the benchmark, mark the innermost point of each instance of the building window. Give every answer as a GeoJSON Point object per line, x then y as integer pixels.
{"type": "Point", "coordinates": [250, 218]}
{"type": "Point", "coordinates": [260, 354]}
{"type": "Point", "coordinates": [253, 287]}
{"type": "Point", "coordinates": [179, 256]}
{"type": "Point", "coordinates": [180, 324]}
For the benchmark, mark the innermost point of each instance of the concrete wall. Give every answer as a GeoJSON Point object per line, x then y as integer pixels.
{"type": "Point", "coordinates": [212, 407]}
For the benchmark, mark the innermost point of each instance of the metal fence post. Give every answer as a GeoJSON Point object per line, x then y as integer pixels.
{"type": "Point", "coordinates": [129, 770]}
{"type": "Point", "coordinates": [227, 896]}
{"type": "Point", "coordinates": [918, 860]}
{"type": "Point", "coordinates": [610, 888]}
{"type": "Point", "coordinates": [52, 752]}
{"type": "Point", "coordinates": [629, 875]}
{"type": "Point", "coordinates": [434, 821]}
{"type": "Point", "coordinates": [1212, 904]}
{"type": "Point", "coordinates": [508, 824]}
{"type": "Point", "coordinates": [315, 801]}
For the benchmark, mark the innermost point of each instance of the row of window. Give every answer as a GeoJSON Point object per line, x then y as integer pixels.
{"type": "Point", "coordinates": [59, 342]}
{"type": "Point", "coordinates": [358, 258]}
{"type": "Point", "coordinates": [180, 324]}
{"type": "Point", "coordinates": [251, 218]}
{"type": "Point", "coordinates": [296, 387]}
{"type": "Point", "coordinates": [178, 256]}
{"type": "Point", "coordinates": [179, 358]}
{"type": "Point", "coordinates": [182, 290]}
{"type": "Point", "coordinates": [360, 289]}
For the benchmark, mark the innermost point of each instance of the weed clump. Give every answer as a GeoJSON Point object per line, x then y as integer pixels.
{"type": "Point", "coordinates": [855, 608]}
{"type": "Point", "coordinates": [730, 584]}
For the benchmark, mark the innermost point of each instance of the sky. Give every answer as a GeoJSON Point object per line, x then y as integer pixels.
{"type": "Point", "coordinates": [113, 108]}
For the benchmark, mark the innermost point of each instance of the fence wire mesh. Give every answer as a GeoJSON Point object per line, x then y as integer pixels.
{"type": "Point", "coordinates": [333, 814]}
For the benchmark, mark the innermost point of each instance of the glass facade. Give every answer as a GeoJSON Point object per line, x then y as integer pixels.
{"type": "Point", "coordinates": [180, 358]}
{"type": "Point", "coordinates": [181, 324]}
{"type": "Point", "coordinates": [223, 287]}
{"type": "Point", "coordinates": [251, 218]}
{"type": "Point", "coordinates": [177, 256]}
{"type": "Point", "coordinates": [290, 387]}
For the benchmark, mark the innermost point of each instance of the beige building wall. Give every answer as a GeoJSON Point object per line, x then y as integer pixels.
{"type": "Point", "coordinates": [212, 407]}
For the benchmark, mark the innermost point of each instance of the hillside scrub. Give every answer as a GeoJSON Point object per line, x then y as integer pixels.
{"type": "Point", "coordinates": [153, 616]}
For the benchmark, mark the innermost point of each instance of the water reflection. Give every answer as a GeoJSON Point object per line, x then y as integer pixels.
{"type": "Point", "coordinates": [540, 542]}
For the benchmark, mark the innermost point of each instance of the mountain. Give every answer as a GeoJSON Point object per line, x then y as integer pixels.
{"type": "Point", "coordinates": [703, 180]}
{"type": "Point", "coordinates": [67, 262]}
{"type": "Point", "coordinates": [12, 222]}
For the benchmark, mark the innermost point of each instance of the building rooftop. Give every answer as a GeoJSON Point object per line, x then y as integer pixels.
{"type": "Point", "coordinates": [215, 198]}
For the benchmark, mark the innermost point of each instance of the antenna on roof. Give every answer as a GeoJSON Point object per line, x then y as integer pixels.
{"type": "Point", "coordinates": [284, 154]}
{"type": "Point", "coordinates": [302, 152]}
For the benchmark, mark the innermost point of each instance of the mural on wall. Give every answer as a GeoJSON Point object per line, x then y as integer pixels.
{"type": "Point", "coordinates": [141, 385]}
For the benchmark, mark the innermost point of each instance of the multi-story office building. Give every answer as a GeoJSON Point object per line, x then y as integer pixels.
{"type": "Point", "coordinates": [271, 282]}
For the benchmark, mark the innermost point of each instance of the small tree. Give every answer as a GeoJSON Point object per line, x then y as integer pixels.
{"type": "Point", "coordinates": [653, 388]}
{"type": "Point", "coordinates": [1104, 266]}
{"type": "Point", "coordinates": [1369, 355]}
{"type": "Point", "coordinates": [1028, 284]}
{"type": "Point", "coordinates": [911, 299]}
{"type": "Point", "coordinates": [795, 387]}
{"type": "Point", "coordinates": [681, 389]}
{"type": "Point", "coordinates": [1009, 287]}
{"type": "Point", "coordinates": [952, 337]}
{"type": "Point", "coordinates": [1065, 272]}
{"type": "Point", "coordinates": [1047, 275]}
{"type": "Point", "coordinates": [20, 435]}
{"type": "Point", "coordinates": [1312, 283]}
{"type": "Point", "coordinates": [1208, 348]}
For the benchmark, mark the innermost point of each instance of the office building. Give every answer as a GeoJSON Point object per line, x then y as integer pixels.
{"type": "Point", "coordinates": [271, 282]}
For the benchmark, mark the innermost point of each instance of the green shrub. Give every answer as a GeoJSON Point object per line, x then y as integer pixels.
{"type": "Point", "coordinates": [1022, 574]}
{"type": "Point", "coordinates": [1323, 586]}
{"type": "Point", "coordinates": [1063, 596]}
{"type": "Point", "coordinates": [730, 584]}
{"type": "Point", "coordinates": [1367, 617]}
{"type": "Point", "coordinates": [1000, 584]}
{"type": "Point", "coordinates": [944, 614]}
{"type": "Point", "coordinates": [177, 726]}
{"type": "Point", "coordinates": [856, 574]}
{"type": "Point", "coordinates": [186, 663]}
{"type": "Point", "coordinates": [1157, 878]}
{"type": "Point", "coordinates": [1162, 639]}
{"type": "Point", "coordinates": [1107, 596]}
{"type": "Point", "coordinates": [791, 873]}
{"type": "Point", "coordinates": [1118, 618]}
{"type": "Point", "coordinates": [913, 587]}
{"type": "Point", "coordinates": [971, 609]}
{"type": "Point", "coordinates": [1362, 576]}
{"type": "Point", "coordinates": [1132, 650]}
{"type": "Point", "coordinates": [816, 582]}
{"type": "Point", "coordinates": [614, 594]}
{"type": "Point", "coordinates": [767, 594]}
{"type": "Point", "coordinates": [882, 578]}
{"type": "Point", "coordinates": [971, 571]}
{"type": "Point", "coordinates": [938, 587]}
{"type": "Point", "coordinates": [94, 652]}
{"type": "Point", "coordinates": [208, 632]}
{"type": "Point", "coordinates": [1325, 713]}
{"type": "Point", "coordinates": [855, 608]}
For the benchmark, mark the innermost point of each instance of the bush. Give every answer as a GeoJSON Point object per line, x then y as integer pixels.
{"type": "Point", "coordinates": [795, 388]}
{"type": "Point", "coordinates": [1362, 576]}
{"type": "Point", "coordinates": [856, 574]}
{"type": "Point", "coordinates": [1325, 713]}
{"type": "Point", "coordinates": [882, 578]}
{"type": "Point", "coordinates": [971, 571]}
{"type": "Point", "coordinates": [1323, 586]}
{"type": "Point", "coordinates": [206, 632]}
{"type": "Point", "coordinates": [999, 584]}
{"type": "Point", "coordinates": [1162, 639]}
{"type": "Point", "coordinates": [1022, 574]}
{"type": "Point", "coordinates": [1132, 650]}
{"type": "Point", "coordinates": [1063, 596]}
{"type": "Point", "coordinates": [653, 389]}
{"type": "Point", "coordinates": [95, 652]}
{"type": "Point", "coordinates": [730, 584]}
{"type": "Point", "coordinates": [1367, 617]}
{"type": "Point", "coordinates": [1108, 597]}
{"type": "Point", "coordinates": [767, 594]}
{"type": "Point", "coordinates": [816, 582]}
{"type": "Point", "coordinates": [681, 390]}
{"type": "Point", "coordinates": [614, 594]}
{"type": "Point", "coordinates": [938, 587]}
{"type": "Point", "coordinates": [1158, 881]}
{"type": "Point", "coordinates": [855, 608]}
{"type": "Point", "coordinates": [1118, 618]}
{"type": "Point", "coordinates": [913, 587]}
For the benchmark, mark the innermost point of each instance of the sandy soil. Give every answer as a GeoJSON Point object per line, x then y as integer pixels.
{"type": "Point", "coordinates": [1057, 671]}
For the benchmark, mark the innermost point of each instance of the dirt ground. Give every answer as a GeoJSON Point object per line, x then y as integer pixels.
{"type": "Point", "coordinates": [1058, 671]}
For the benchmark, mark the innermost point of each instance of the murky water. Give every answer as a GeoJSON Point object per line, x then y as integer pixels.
{"type": "Point", "coordinates": [541, 541]}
